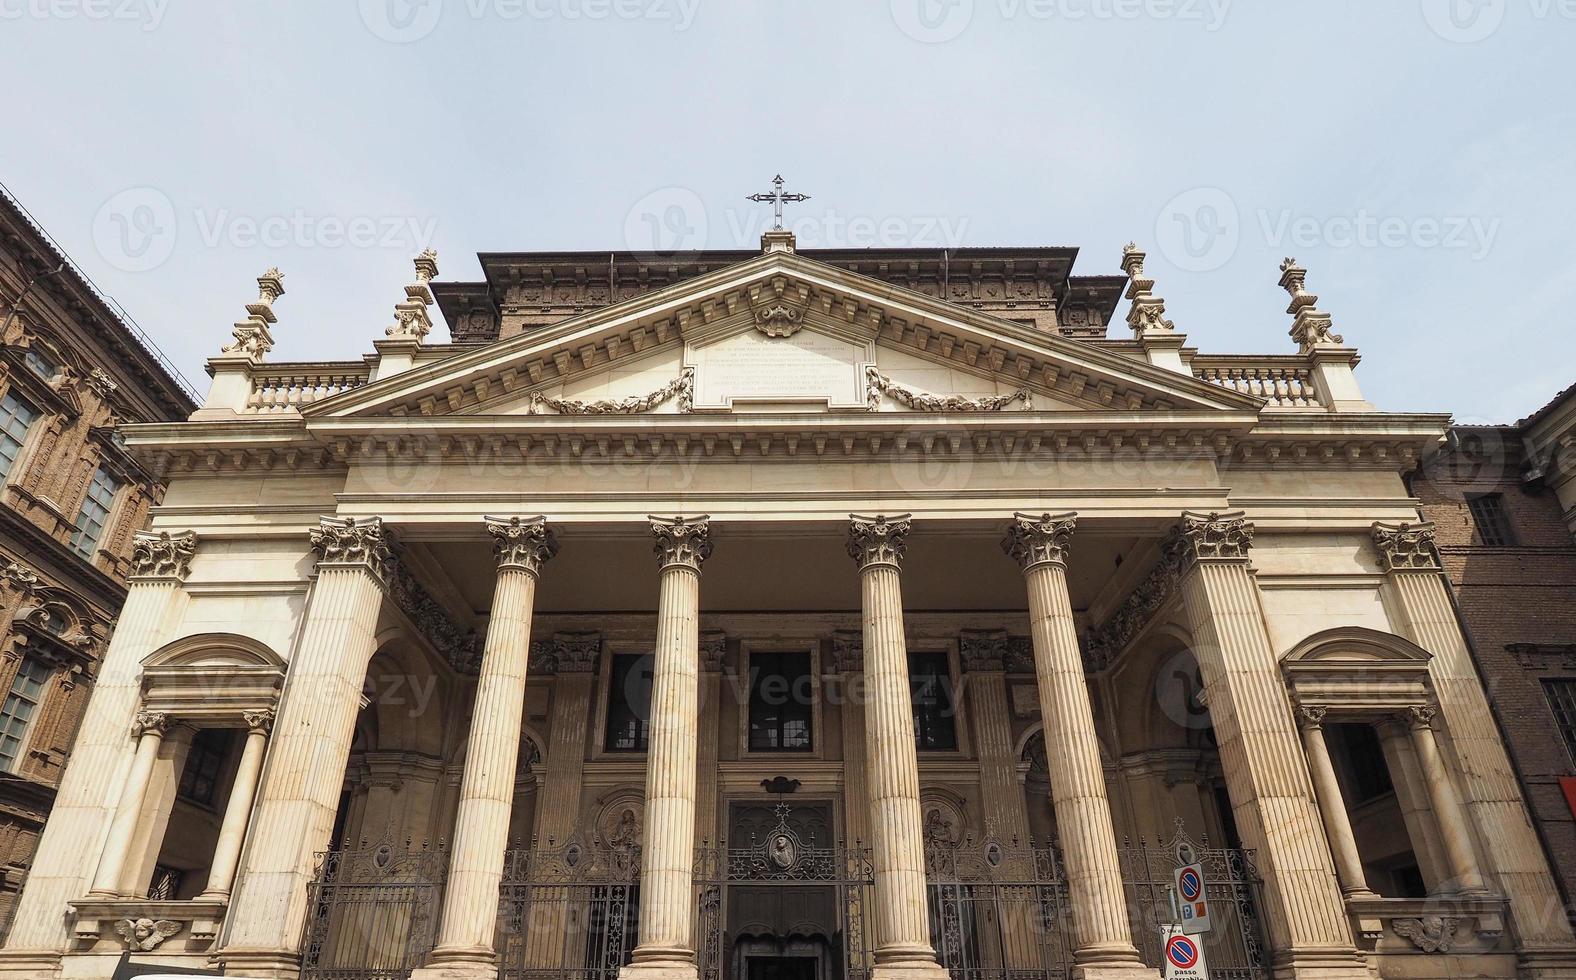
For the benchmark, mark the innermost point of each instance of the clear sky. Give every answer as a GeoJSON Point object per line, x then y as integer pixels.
{"type": "Point", "coordinates": [1416, 155]}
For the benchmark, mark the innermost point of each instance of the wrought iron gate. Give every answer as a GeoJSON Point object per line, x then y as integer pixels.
{"type": "Point", "coordinates": [1235, 945]}
{"type": "Point", "coordinates": [826, 890]}
{"type": "Point", "coordinates": [568, 913]}
{"type": "Point", "coordinates": [998, 912]}
{"type": "Point", "coordinates": [373, 912]}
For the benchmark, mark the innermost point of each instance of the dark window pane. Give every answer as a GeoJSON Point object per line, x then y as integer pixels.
{"type": "Point", "coordinates": [1370, 777]}
{"type": "Point", "coordinates": [1561, 692]}
{"type": "Point", "coordinates": [930, 687]}
{"type": "Point", "coordinates": [629, 703]}
{"type": "Point", "coordinates": [1493, 523]}
{"type": "Point", "coordinates": [204, 762]}
{"type": "Point", "coordinates": [781, 715]}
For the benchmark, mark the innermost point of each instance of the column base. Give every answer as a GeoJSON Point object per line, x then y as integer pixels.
{"type": "Point", "coordinates": [264, 964]}
{"type": "Point", "coordinates": [1315, 964]}
{"type": "Point", "coordinates": [459, 963]}
{"type": "Point", "coordinates": [660, 969]}
{"type": "Point", "coordinates": [906, 963]}
{"type": "Point", "coordinates": [24, 964]}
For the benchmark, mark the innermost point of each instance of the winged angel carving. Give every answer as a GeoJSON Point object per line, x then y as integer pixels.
{"type": "Point", "coordinates": [144, 934]}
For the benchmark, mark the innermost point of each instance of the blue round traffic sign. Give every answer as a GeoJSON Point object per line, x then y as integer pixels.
{"type": "Point", "coordinates": [1182, 952]}
{"type": "Point", "coordinates": [1191, 884]}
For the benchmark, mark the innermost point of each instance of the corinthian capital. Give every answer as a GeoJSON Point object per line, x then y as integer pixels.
{"type": "Point", "coordinates": [682, 541]}
{"type": "Point", "coordinates": [1210, 537]}
{"type": "Point", "coordinates": [1039, 540]}
{"type": "Point", "coordinates": [150, 723]}
{"type": "Point", "coordinates": [1406, 547]}
{"type": "Point", "coordinates": [523, 543]}
{"type": "Point", "coordinates": [162, 554]}
{"type": "Point", "coordinates": [353, 541]}
{"type": "Point", "coordinates": [877, 540]}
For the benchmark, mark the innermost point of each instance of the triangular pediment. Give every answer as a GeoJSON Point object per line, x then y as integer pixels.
{"type": "Point", "coordinates": [782, 333]}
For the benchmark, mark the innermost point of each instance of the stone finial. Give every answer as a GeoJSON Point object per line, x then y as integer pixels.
{"type": "Point", "coordinates": [1037, 540]}
{"type": "Point", "coordinates": [162, 554]}
{"type": "Point", "coordinates": [878, 540]}
{"type": "Point", "coordinates": [682, 541]}
{"type": "Point", "coordinates": [1148, 312]}
{"type": "Point", "coordinates": [411, 319]}
{"type": "Point", "coordinates": [1209, 537]}
{"type": "Point", "coordinates": [252, 336]}
{"type": "Point", "coordinates": [353, 542]}
{"type": "Point", "coordinates": [1311, 327]}
{"type": "Point", "coordinates": [1407, 547]}
{"type": "Point", "coordinates": [524, 543]}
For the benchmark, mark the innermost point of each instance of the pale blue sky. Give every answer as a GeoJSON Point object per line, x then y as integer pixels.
{"type": "Point", "coordinates": [1221, 135]}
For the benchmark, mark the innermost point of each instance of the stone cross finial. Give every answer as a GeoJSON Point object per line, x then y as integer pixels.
{"type": "Point", "coordinates": [252, 336]}
{"type": "Point", "coordinates": [1148, 312]}
{"type": "Point", "coordinates": [1312, 328]}
{"type": "Point", "coordinates": [411, 319]}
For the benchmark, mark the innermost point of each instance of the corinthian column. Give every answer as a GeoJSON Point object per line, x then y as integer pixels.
{"type": "Point", "coordinates": [232, 833]}
{"type": "Point", "coordinates": [892, 763]}
{"type": "Point", "coordinates": [1266, 773]}
{"type": "Point", "coordinates": [667, 944]}
{"type": "Point", "coordinates": [1453, 832]}
{"type": "Point", "coordinates": [311, 744]}
{"type": "Point", "coordinates": [1072, 752]}
{"type": "Point", "coordinates": [1332, 804]}
{"type": "Point", "coordinates": [481, 829]}
{"type": "Point", "coordinates": [149, 732]}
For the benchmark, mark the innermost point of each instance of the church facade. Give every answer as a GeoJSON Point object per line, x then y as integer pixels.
{"type": "Point", "coordinates": [748, 616]}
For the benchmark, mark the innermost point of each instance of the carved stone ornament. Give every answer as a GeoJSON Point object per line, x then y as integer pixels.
{"type": "Point", "coordinates": [575, 653]}
{"type": "Point", "coordinates": [252, 337]}
{"type": "Point", "coordinates": [713, 649]}
{"type": "Point", "coordinates": [775, 315]}
{"type": "Point", "coordinates": [346, 541]}
{"type": "Point", "coordinates": [1105, 643]}
{"type": "Point", "coordinates": [102, 384]}
{"type": "Point", "coordinates": [1148, 313]}
{"type": "Point", "coordinates": [1311, 715]}
{"type": "Point", "coordinates": [461, 647]}
{"type": "Point", "coordinates": [1041, 540]}
{"type": "Point", "coordinates": [848, 651]}
{"type": "Point", "coordinates": [1210, 537]}
{"type": "Point", "coordinates": [1429, 933]}
{"type": "Point", "coordinates": [162, 554]}
{"type": "Point", "coordinates": [1420, 715]}
{"type": "Point", "coordinates": [878, 540]}
{"type": "Point", "coordinates": [682, 388]}
{"type": "Point", "coordinates": [878, 384]}
{"type": "Point", "coordinates": [524, 543]}
{"type": "Point", "coordinates": [144, 935]}
{"type": "Point", "coordinates": [21, 578]}
{"type": "Point", "coordinates": [983, 650]}
{"type": "Point", "coordinates": [411, 319]}
{"type": "Point", "coordinates": [150, 723]}
{"type": "Point", "coordinates": [1407, 547]}
{"type": "Point", "coordinates": [259, 721]}
{"type": "Point", "coordinates": [684, 541]}
{"type": "Point", "coordinates": [1312, 328]}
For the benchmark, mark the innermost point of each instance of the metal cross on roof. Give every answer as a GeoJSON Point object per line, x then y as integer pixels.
{"type": "Point", "coordinates": [778, 199]}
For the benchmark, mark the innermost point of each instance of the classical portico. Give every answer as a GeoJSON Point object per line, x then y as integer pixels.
{"type": "Point", "coordinates": [544, 653]}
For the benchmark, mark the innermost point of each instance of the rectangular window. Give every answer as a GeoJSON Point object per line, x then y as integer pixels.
{"type": "Point", "coordinates": [21, 705]}
{"type": "Point", "coordinates": [16, 417]}
{"type": "Point", "coordinates": [1561, 692]}
{"type": "Point", "coordinates": [1493, 523]}
{"type": "Point", "coordinates": [204, 763]}
{"type": "Point", "coordinates": [930, 687]}
{"type": "Point", "coordinates": [95, 512]}
{"type": "Point", "coordinates": [41, 364]}
{"type": "Point", "coordinates": [781, 714]}
{"type": "Point", "coordinates": [629, 702]}
{"type": "Point", "coordinates": [1370, 776]}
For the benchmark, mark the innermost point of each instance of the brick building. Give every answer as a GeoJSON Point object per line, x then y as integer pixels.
{"type": "Point", "coordinates": [71, 371]}
{"type": "Point", "coordinates": [1503, 499]}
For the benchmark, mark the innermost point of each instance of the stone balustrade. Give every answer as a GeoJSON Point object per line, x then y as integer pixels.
{"type": "Point", "coordinates": [1285, 382]}
{"type": "Point", "coordinates": [289, 387]}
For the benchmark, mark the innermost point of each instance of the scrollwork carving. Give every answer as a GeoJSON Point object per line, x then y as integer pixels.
{"type": "Point", "coordinates": [1407, 547]}
{"type": "Point", "coordinates": [1210, 537]}
{"type": "Point", "coordinates": [1045, 539]}
{"type": "Point", "coordinates": [353, 541]}
{"type": "Point", "coordinates": [162, 554]}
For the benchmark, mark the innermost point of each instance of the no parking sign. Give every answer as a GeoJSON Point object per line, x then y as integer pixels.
{"type": "Point", "coordinates": [1184, 956]}
{"type": "Point", "coordinates": [1192, 906]}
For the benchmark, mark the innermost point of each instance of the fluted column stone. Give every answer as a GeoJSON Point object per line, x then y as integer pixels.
{"type": "Point", "coordinates": [891, 759]}
{"type": "Point", "coordinates": [1454, 833]}
{"type": "Point", "coordinates": [149, 731]}
{"type": "Point", "coordinates": [101, 757]}
{"type": "Point", "coordinates": [667, 944]}
{"type": "Point", "coordinates": [1103, 935]}
{"type": "Point", "coordinates": [481, 828]}
{"type": "Point", "coordinates": [1332, 803]}
{"type": "Point", "coordinates": [1266, 772]}
{"type": "Point", "coordinates": [238, 809]}
{"type": "Point", "coordinates": [300, 788]}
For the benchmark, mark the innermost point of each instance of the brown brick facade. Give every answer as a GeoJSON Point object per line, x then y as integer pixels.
{"type": "Point", "coordinates": [1519, 603]}
{"type": "Point", "coordinates": [77, 372]}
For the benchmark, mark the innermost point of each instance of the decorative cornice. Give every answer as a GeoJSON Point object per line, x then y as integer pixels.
{"type": "Point", "coordinates": [1407, 547]}
{"type": "Point", "coordinates": [162, 554]}
{"type": "Point", "coordinates": [682, 387]}
{"type": "Point", "coordinates": [848, 651]}
{"type": "Point", "coordinates": [1107, 642]}
{"type": "Point", "coordinates": [878, 540]}
{"type": "Point", "coordinates": [1033, 541]}
{"type": "Point", "coordinates": [878, 384]}
{"type": "Point", "coordinates": [682, 541]}
{"type": "Point", "coordinates": [522, 543]}
{"type": "Point", "coordinates": [1212, 537]}
{"type": "Point", "coordinates": [353, 542]}
{"type": "Point", "coordinates": [259, 722]}
{"type": "Point", "coordinates": [713, 649]}
{"type": "Point", "coordinates": [983, 651]}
